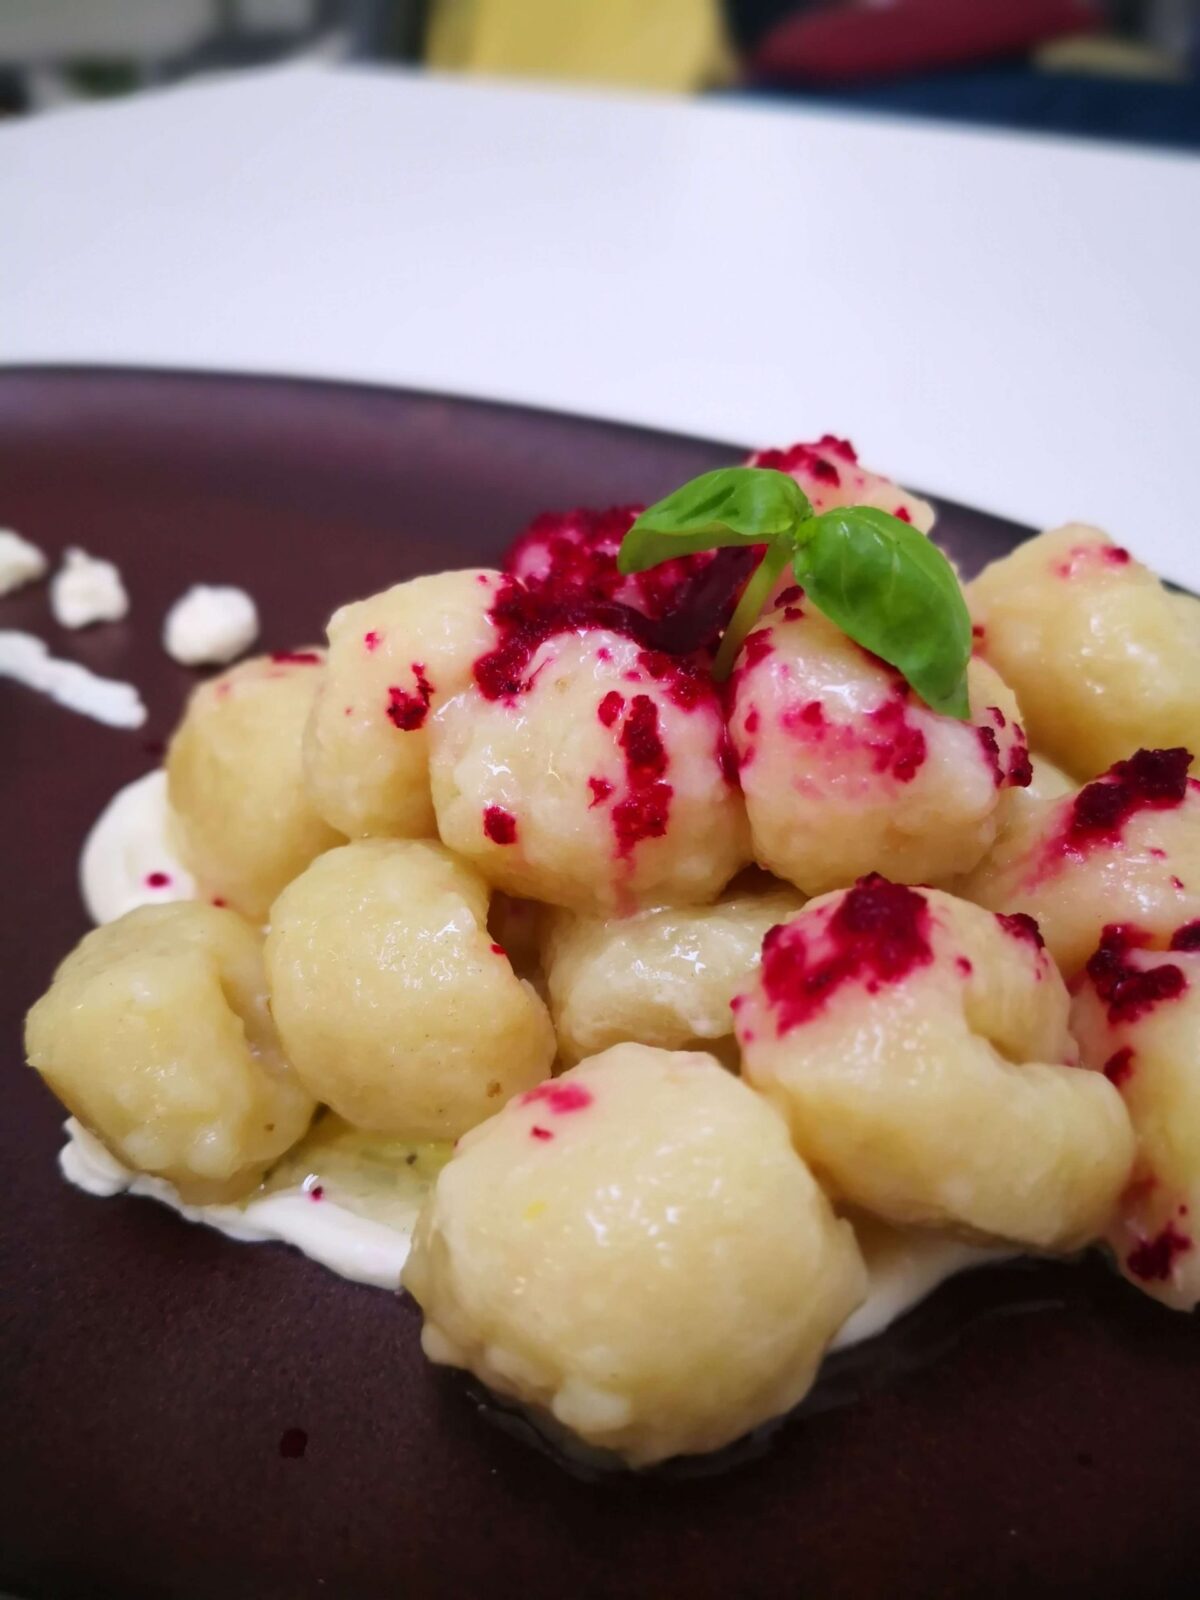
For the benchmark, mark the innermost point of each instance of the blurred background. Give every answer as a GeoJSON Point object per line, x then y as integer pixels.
{"type": "Point", "coordinates": [1105, 69]}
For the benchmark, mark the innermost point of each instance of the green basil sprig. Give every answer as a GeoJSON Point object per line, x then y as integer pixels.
{"type": "Point", "coordinates": [879, 579]}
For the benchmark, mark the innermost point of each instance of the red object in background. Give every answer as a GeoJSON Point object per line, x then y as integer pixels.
{"type": "Point", "coordinates": [889, 38]}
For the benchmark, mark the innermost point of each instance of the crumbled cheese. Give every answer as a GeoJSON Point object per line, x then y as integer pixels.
{"type": "Point", "coordinates": [27, 660]}
{"type": "Point", "coordinates": [85, 590]}
{"type": "Point", "coordinates": [210, 625]}
{"type": "Point", "coordinates": [20, 561]}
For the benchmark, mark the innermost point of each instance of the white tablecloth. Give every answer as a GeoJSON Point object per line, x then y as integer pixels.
{"type": "Point", "coordinates": [1009, 320]}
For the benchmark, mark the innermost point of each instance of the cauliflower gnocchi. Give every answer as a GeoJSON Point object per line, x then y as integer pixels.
{"type": "Point", "coordinates": [1125, 848]}
{"type": "Point", "coordinates": [919, 1048]}
{"type": "Point", "coordinates": [156, 1033]}
{"type": "Point", "coordinates": [635, 1252]}
{"type": "Point", "coordinates": [392, 658]}
{"type": "Point", "coordinates": [235, 782]}
{"type": "Point", "coordinates": [1101, 656]}
{"type": "Point", "coordinates": [394, 1004]}
{"type": "Point", "coordinates": [845, 772]}
{"type": "Point", "coordinates": [596, 777]}
{"type": "Point", "coordinates": [662, 977]}
{"type": "Point", "coordinates": [1136, 1015]}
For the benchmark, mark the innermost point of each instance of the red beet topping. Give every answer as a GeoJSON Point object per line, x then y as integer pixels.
{"type": "Point", "coordinates": [686, 684]}
{"type": "Point", "coordinates": [601, 789]}
{"type": "Point", "coordinates": [902, 514]}
{"type": "Point", "coordinates": [644, 811]}
{"type": "Point", "coordinates": [878, 934]}
{"type": "Point", "coordinates": [317, 1192]}
{"type": "Point", "coordinates": [293, 1442]}
{"type": "Point", "coordinates": [560, 1098]}
{"type": "Point", "coordinates": [1119, 1066]}
{"type": "Point", "coordinates": [1177, 883]}
{"type": "Point", "coordinates": [813, 714]}
{"type": "Point", "coordinates": [791, 596]}
{"type": "Point", "coordinates": [1151, 780]}
{"type": "Point", "coordinates": [371, 640]}
{"type": "Point", "coordinates": [500, 825]}
{"type": "Point", "coordinates": [1020, 925]}
{"type": "Point", "coordinates": [727, 756]}
{"type": "Point", "coordinates": [1020, 768]}
{"type": "Point", "coordinates": [296, 658]}
{"type": "Point", "coordinates": [1154, 1259]}
{"type": "Point", "coordinates": [158, 880]}
{"type": "Point", "coordinates": [792, 613]}
{"type": "Point", "coordinates": [1187, 937]}
{"type": "Point", "coordinates": [1108, 555]}
{"type": "Point", "coordinates": [540, 1133]}
{"type": "Point", "coordinates": [568, 557]}
{"type": "Point", "coordinates": [1129, 991]}
{"type": "Point", "coordinates": [978, 631]}
{"type": "Point", "coordinates": [991, 753]}
{"type": "Point", "coordinates": [610, 708]}
{"type": "Point", "coordinates": [498, 950]}
{"type": "Point", "coordinates": [757, 647]}
{"type": "Point", "coordinates": [751, 720]}
{"type": "Point", "coordinates": [524, 619]}
{"type": "Point", "coordinates": [408, 708]}
{"type": "Point", "coordinates": [900, 749]}
{"type": "Point", "coordinates": [964, 966]}
{"type": "Point", "coordinates": [809, 460]}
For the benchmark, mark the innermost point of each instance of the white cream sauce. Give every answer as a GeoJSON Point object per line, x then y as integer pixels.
{"type": "Point", "coordinates": [24, 658]}
{"type": "Point", "coordinates": [129, 858]}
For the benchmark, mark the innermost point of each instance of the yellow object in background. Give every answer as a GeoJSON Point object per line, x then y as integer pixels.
{"type": "Point", "coordinates": [646, 44]}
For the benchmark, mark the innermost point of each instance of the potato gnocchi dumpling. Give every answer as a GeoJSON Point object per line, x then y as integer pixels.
{"type": "Point", "coordinates": [235, 780]}
{"type": "Point", "coordinates": [662, 977]}
{"type": "Point", "coordinates": [845, 771]}
{"type": "Point", "coordinates": [831, 475]}
{"type": "Point", "coordinates": [157, 1035]}
{"type": "Point", "coordinates": [919, 1048]}
{"type": "Point", "coordinates": [1125, 848]}
{"type": "Point", "coordinates": [1136, 1015]}
{"type": "Point", "coordinates": [392, 659]}
{"type": "Point", "coordinates": [1101, 656]}
{"type": "Point", "coordinates": [393, 1002]}
{"type": "Point", "coordinates": [635, 1252]}
{"type": "Point", "coordinates": [598, 779]}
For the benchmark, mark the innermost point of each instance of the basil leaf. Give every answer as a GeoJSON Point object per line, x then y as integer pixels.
{"type": "Point", "coordinates": [732, 506]}
{"type": "Point", "coordinates": [893, 591]}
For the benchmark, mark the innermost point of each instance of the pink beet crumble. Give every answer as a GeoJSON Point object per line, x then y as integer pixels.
{"type": "Point", "coordinates": [1130, 991]}
{"type": "Point", "coordinates": [1154, 1259]}
{"type": "Point", "coordinates": [559, 1098]}
{"type": "Point", "coordinates": [1151, 780]}
{"type": "Point", "coordinates": [1187, 937]}
{"type": "Point", "coordinates": [408, 708]}
{"type": "Point", "coordinates": [1118, 1069]}
{"type": "Point", "coordinates": [878, 935]}
{"type": "Point", "coordinates": [1020, 925]}
{"type": "Point", "coordinates": [500, 825]}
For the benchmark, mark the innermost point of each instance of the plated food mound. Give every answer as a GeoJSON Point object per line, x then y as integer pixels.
{"type": "Point", "coordinates": [672, 952]}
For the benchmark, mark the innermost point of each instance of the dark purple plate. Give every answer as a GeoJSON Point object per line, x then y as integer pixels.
{"type": "Point", "coordinates": [183, 1417]}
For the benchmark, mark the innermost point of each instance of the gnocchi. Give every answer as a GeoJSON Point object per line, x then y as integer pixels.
{"type": "Point", "coordinates": [1136, 1015]}
{"type": "Point", "coordinates": [596, 778]}
{"type": "Point", "coordinates": [1101, 656]}
{"type": "Point", "coordinates": [661, 977]}
{"type": "Point", "coordinates": [1125, 848]}
{"type": "Point", "coordinates": [636, 1254]}
{"type": "Point", "coordinates": [235, 782]}
{"type": "Point", "coordinates": [918, 1047]}
{"type": "Point", "coordinates": [845, 772]}
{"type": "Point", "coordinates": [394, 1004]}
{"type": "Point", "coordinates": [157, 1034]}
{"type": "Point", "coordinates": [392, 659]}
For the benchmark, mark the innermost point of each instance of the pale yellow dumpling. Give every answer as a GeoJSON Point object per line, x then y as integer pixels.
{"type": "Point", "coordinates": [1101, 656]}
{"type": "Point", "coordinates": [662, 977]}
{"type": "Point", "coordinates": [845, 771]}
{"type": "Point", "coordinates": [601, 783]}
{"type": "Point", "coordinates": [1124, 849]}
{"type": "Point", "coordinates": [919, 1048]}
{"type": "Point", "coordinates": [635, 1252]}
{"type": "Point", "coordinates": [235, 781]}
{"type": "Point", "coordinates": [392, 1000]}
{"type": "Point", "coordinates": [1136, 1015]}
{"type": "Point", "coordinates": [392, 658]}
{"type": "Point", "coordinates": [157, 1035]}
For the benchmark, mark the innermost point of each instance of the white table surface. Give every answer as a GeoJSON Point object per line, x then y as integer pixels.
{"type": "Point", "coordinates": [1008, 320]}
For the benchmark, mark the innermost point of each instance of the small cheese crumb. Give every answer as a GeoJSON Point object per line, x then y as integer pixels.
{"type": "Point", "coordinates": [84, 591]}
{"type": "Point", "coordinates": [20, 562]}
{"type": "Point", "coordinates": [210, 625]}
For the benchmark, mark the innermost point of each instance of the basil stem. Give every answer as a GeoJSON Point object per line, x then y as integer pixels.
{"type": "Point", "coordinates": [754, 597]}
